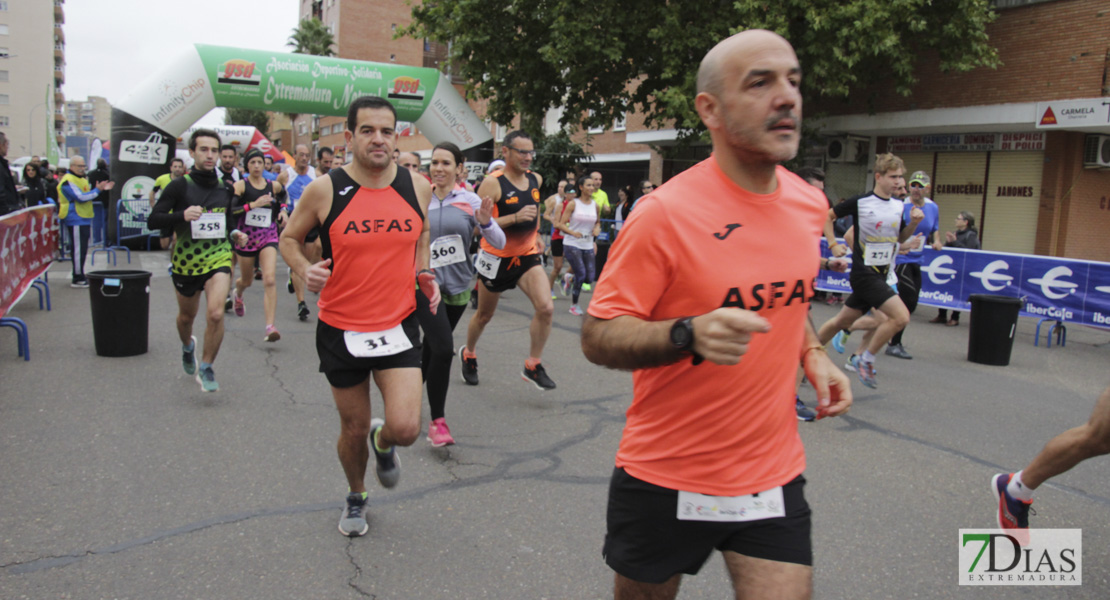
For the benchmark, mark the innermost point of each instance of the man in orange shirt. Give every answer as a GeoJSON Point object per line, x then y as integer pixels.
{"type": "Point", "coordinates": [710, 457]}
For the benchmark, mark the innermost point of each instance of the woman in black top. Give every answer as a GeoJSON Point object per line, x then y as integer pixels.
{"type": "Point", "coordinates": [965, 236]}
{"type": "Point", "coordinates": [36, 193]}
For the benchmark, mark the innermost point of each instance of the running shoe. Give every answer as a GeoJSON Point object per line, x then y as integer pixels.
{"type": "Point", "coordinates": [272, 334]}
{"type": "Point", "coordinates": [79, 282]}
{"type": "Point", "coordinates": [804, 412]}
{"type": "Point", "coordinates": [302, 311]}
{"type": "Point", "coordinates": [439, 434]}
{"type": "Point", "coordinates": [289, 283]}
{"type": "Point", "coordinates": [898, 351]}
{"type": "Point", "coordinates": [553, 296]}
{"type": "Point", "coordinates": [1012, 513]}
{"type": "Point", "coordinates": [469, 367]}
{"type": "Point", "coordinates": [574, 310]}
{"type": "Point", "coordinates": [564, 287]}
{"type": "Point", "coordinates": [389, 464]}
{"type": "Point", "coordinates": [206, 377]}
{"type": "Point", "coordinates": [587, 287]}
{"type": "Point", "coordinates": [189, 358]}
{"type": "Point", "coordinates": [866, 372]}
{"type": "Point", "coordinates": [239, 305]}
{"type": "Point", "coordinates": [352, 523]}
{"type": "Point", "coordinates": [257, 274]}
{"type": "Point", "coordinates": [538, 377]}
{"type": "Point", "coordinates": [228, 304]}
{"type": "Point", "coordinates": [851, 364]}
{"type": "Point", "coordinates": [839, 340]}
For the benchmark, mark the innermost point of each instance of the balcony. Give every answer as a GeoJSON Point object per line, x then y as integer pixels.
{"type": "Point", "coordinates": [59, 97]}
{"type": "Point", "coordinates": [59, 74]}
{"type": "Point", "coordinates": [59, 53]}
{"type": "Point", "coordinates": [59, 35]}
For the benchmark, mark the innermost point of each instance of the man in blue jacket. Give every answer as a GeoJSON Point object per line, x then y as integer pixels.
{"type": "Point", "coordinates": [75, 211]}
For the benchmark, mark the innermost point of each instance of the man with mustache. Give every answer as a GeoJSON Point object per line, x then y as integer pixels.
{"type": "Point", "coordinates": [705, 298]}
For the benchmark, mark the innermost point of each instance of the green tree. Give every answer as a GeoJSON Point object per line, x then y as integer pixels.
{"type": "Point", "coordinates": [311, 36]}
{"type": "Point", "coordinates": [250, 117]}
{"type": "Point", "coordinates": [555, 155]}
{"type": "Point", "coordinates": [605, 57]}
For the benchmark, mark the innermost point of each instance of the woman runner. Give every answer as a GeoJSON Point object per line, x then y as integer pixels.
{"type": "Point", "coordinates": [260, 217]}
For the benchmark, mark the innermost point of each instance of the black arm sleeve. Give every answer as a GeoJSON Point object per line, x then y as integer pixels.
{"type": "Point", "coordinates": [169, 211]}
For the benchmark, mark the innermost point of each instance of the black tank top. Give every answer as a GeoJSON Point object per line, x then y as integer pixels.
{"type": "Point", "coordinates": [251, 193]}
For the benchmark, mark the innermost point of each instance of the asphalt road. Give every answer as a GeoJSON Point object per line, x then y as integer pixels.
{"type": "Point", "coordinates": [120, 479]}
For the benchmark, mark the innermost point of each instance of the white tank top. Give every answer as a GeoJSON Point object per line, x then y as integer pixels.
{"type": "Point", "coordinates": [582, 220]}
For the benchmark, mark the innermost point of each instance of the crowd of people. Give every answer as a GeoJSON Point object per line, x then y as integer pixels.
{"type": "Point", "coordinates": [710, 457]}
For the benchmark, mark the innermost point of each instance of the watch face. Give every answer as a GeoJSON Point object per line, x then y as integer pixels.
{"type": "Point", "coordinates": [680, 334]}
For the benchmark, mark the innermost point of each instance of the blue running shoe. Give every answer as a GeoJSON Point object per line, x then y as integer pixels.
{"type": "Point", "coordinates": [206, 377]}
{"type": "Point", "coordinates": [838, 341]}
{"type": "Point", "coordinates": [1012, 513]}
{"type": "Point", "coordinates": [189, 357]}
{"type": "Point", "coordinates": [851, 364]}
{"type": "Point", "coordinates": [866, 372]}
{"type": "Point", "coordinates": [389, 464]}
{"type": "Point", "coordinates": [804, 412]}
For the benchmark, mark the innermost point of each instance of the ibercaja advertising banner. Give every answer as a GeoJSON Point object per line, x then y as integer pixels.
{"type": "Point", "coordinates": [151, 118]}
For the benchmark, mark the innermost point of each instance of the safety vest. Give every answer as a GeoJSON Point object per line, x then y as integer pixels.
{"type": "Point", "coordinates": [84, 209]}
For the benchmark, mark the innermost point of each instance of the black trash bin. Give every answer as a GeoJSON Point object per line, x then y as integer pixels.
{"type": "Point", "coordinates": [120, 311]}
{"type": "Point", "coordinates": [993, 323]}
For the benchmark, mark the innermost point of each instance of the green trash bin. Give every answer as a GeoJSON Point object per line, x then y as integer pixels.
{"type": "Point", "coordinates": [120, 303]}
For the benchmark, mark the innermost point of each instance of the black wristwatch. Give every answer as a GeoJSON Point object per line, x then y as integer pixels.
{"type": "Point", "coordinates": [682, 335]}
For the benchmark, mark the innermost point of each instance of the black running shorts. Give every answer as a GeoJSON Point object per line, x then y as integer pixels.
{"type": "Point", "coordinates": [189, 285]}
{"type": "Point", "coordinates": [557, 248]}
{"type": "Point", "coordinates": [344, 370]}
{"type": "Point", "coordinates": [509, 272]}
{"type": "Point", "coordinates": [645, 541]}
{"type": "Point", "coordinates": [869, 290]}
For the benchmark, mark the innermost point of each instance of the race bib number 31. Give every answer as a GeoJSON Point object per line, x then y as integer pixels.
{"type": "Point", "coordinates": [377, 343]}
{"type": "Point", "coordinates": [210, 226]}
{"type": "Point", "coordinates": [699, 507]}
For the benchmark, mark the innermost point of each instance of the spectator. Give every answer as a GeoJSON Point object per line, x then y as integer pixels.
{"type": "Point", "coordinates": [100, 205]}
{"type": "Point", "coordinates": [9, 197]}
{"type": "Point", "coordinates": [34, 193]}
{"type": "Point", "coordinates": [965, 236]}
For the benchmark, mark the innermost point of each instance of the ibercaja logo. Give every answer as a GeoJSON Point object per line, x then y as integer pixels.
{"type": "Point", "coordinates": [406, 88]}
{"type": "Point", "coordinates": [239, 72]}
{"type": "Point", "coordinates": [1021, 557]}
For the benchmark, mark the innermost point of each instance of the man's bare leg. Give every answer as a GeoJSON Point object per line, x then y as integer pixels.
{"type": "Point", "coordinates": [628, 589]}
{"type": "Point", "coordinates": [762, 579]}
{"type": "Point", "coordinates": [1073, 446]}
{"type": "Point", "coordinates": [533, 283]}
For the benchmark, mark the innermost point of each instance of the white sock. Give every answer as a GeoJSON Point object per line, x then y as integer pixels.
{"type": "Point", "coordinates": [867, 356]}
{"type": "Point", "coordinates": [1017, 489]}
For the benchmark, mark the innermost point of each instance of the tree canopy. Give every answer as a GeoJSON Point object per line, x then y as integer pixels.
{"type": "Point", "coordinates": [312, 37]}
{"type": "Point", "coordinates": [601, 58]}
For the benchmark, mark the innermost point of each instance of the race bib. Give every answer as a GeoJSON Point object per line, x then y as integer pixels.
{"type": "Point", "coordinates": [377, 343]}
{"type": "Point", "coordinates": [447, 250]}
{"type": "Point", "coordinates": [487, 264]}
{"type": "Point", "coordinates": [699, 507]}
{"type": "Point", "coordinates": [210, 226]}
{"type": "Point", "coordinates": [917, 243]}
{"type": "Point", "coordinates": [259, 217]}
{"type": "Point", "coordinates": [878, 254]}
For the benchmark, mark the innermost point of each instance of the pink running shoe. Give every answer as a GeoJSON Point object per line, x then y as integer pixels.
{"type": "Point", "coordinates": [439, 434]}
{"type": "Point", "coordinates": [574, 310]}
{"type": "Point", "coordinates": [272, 334]}
{"type": "Point", "coordinates": [240, 307]}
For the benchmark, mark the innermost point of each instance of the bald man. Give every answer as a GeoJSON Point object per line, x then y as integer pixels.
{"type": "Point", "coordinates": [710, 456]}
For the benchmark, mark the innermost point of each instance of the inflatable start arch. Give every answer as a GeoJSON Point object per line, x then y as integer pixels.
{"type": "Point", "coordinates": [145, 126]}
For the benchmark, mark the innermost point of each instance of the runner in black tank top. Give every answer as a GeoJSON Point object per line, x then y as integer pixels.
{"type": "Point", "coordinates": [257, 211]}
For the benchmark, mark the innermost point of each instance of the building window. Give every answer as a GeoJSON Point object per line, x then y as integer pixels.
{"type": "Point", "coordinates": [3, 75]}
{"type": "Point", "coordinates": [622, 123]}
{"type": "Point", "coordinates": [5, 122]}
{"type": "Point", "coordinates": [4, 99]}
{"type": "Point", "coordinates": [3, 29]}
{"type": "Point", "coordinates": [4, 5]}
{"type": "Point", "coordinates": [594, 129]}
{"type": "Point", "coordinates": [3, 53]}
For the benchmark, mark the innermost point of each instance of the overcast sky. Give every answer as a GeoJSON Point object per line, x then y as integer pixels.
{"type": "Point", "coordinates": [112, 45]}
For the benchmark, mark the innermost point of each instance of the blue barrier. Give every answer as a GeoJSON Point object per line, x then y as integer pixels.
{"type": "Point", "coordinates": [1071, 290]}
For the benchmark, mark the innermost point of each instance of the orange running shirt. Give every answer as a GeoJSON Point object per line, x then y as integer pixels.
{"type": "Point", "coordinates": [371, 237]}
{"type": "Point", "coordinates": [520, 239]}
{"type": "Point", "coordinates": [700, 242]}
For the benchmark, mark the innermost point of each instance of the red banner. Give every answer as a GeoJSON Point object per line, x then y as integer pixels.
{"type": "Point", "coordinates": [28, 239]}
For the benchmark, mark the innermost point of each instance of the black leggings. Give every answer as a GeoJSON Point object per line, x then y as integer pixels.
{"type": "Point", "coordinates": [79, 235]}
{"type": "Point", "coordinates": [439, 349]}
{"type": "Point", "coordinates": [909, 288]}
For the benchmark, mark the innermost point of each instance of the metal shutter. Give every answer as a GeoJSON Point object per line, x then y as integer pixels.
{"type": "Point", "coordinates": [1013, 202]}
{"type": "Point", "coordinates": [958, 185]}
